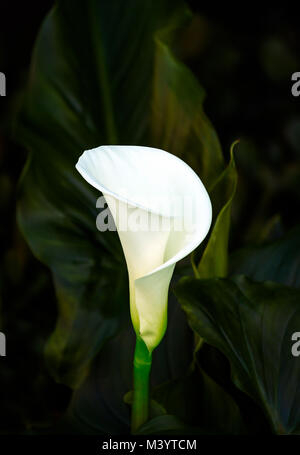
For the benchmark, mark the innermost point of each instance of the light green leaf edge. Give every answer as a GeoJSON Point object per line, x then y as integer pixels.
{"type": "Point", "coordinates": [214, 261]}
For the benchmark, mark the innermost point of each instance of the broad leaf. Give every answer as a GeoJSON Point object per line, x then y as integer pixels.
{"type": "Point", "coordinates": [252, 324]}
{"type": "Point", "coordinates": [90, 309]}
{"type": "Point", "coordinates": [198, 401]}
{"type": "Point", "coordinates": [179, 124]}
{"type": "Point", "coordinates": [101, 73]}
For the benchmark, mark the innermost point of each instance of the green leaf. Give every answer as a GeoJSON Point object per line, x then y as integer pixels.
{"type": "Point", "coordinates": [90, 309]}
{"type": "Point", "coordinates": [252, 324]}
{"type": "Point", "coordinates": [179, 123]}
{"type": "Point", "coordinates": [101, 73]}
{"type": "Point", "coordinates": [214, 260]}
{"type": "Point", "coordinates": [276, 261]}
{"type": "Point", "coordinates": [199, 401]}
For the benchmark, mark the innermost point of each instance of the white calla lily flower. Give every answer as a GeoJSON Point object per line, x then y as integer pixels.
{"type": "Point", "coordinates": [162, 213]}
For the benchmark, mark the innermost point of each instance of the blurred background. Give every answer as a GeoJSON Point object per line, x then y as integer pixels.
{"type": "Point", "coordinates": [244, 60]}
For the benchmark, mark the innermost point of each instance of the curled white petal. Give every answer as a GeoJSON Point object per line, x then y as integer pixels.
{"type": "Point", "coordinates": [150, 187]}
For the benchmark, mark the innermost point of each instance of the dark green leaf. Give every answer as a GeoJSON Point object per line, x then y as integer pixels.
{"type": "Point", "coordinates": [198, 400]}
{"type": "Point", "coordinates": [214, 260]}
{"type": "Point", "coordinates": [179, 124]}
{"type": "Point", "coordinates": [252, 324]}
{"type": "Point", "coordinates": [91, 308]}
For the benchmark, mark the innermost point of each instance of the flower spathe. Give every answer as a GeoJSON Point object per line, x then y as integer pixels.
{"type": "Point", "coordinates": [167, 214]}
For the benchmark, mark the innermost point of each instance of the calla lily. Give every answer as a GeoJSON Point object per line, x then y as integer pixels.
{"type": "Point", "coordinates": [138, 182]}
{"type": "Point", "coordinates": [162, 213]}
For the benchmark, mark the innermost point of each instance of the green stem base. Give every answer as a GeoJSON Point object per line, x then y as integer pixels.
{"type": "Point", "coordinates": [141, 372]}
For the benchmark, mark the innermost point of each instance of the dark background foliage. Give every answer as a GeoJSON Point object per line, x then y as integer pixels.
{"type": "Point", "coordinates": [244, 60]}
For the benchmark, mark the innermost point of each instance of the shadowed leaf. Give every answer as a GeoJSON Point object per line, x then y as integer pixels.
{"type": "Point", "coordinates": [252, 324]}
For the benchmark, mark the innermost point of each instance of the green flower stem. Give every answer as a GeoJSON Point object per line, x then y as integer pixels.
{"type": "Point", "coordinates": [141, 371]}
